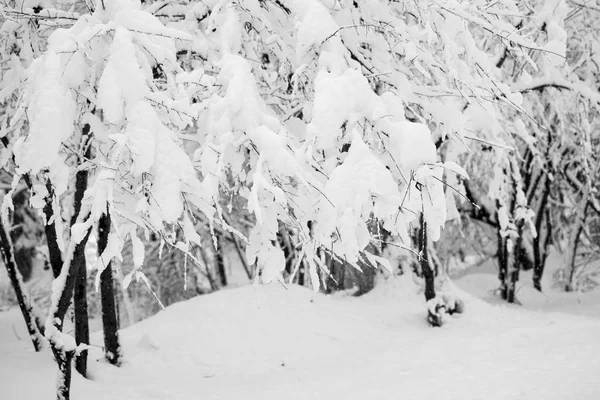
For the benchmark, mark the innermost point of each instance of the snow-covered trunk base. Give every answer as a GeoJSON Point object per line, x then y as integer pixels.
{"type": "Point", "coordinates": [436, 307]}
{"type": "Point", "coordinates": [63, 345]}
{"type": "Point", "coordinates": [8, 257]}
{"type": "Point", "coordinates": [110, 325]}
{"type": "Point", "coordinates": [426, 270]}
{"type": "Point", "coordinates": [63, 380]}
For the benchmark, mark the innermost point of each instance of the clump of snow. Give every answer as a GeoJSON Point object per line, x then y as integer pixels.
{"type": "Point", "coordinates": [52, 114]}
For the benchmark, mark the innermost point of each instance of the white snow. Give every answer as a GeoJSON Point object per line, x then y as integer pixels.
{"type": "Point", "coordinates": [266, 342]}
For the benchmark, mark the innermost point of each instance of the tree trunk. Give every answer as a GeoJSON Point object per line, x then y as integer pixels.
{"type": "Point", "coordinates": [220, 260]}
{"type": "Point", "coordinates": [570, 283]}
{"type": "Point", "coordinates": [538, 259]}
{"type": "Point", "coordinates": [64, 285]}
{"type": "Point", "coordinates": [62, 295]}
{"type": "Point", "coordinates": [516, 265]}
{"type": "Point", "coordinates": [502, 255]}
{"type": "Point", "coordinates": [302, 273]}
{"type": "Point", "coordinates": [570, 286]}
{"type": "Point", "coordinates": [110, 323]}
{"type": "Point", "coordinates": [80, 305]}
{"type": "Point", "coordinates": [426, 270]}
{"type": "Point", "coordinates": [82, 329]}
{"type": "Point", "coordinates": [14, 275]}
{"type": "Point", "coordinates": [285, 243]}
{"type": "Point", "coordinates": [54, 252]}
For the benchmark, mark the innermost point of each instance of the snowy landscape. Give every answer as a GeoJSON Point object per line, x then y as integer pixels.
{"type": "Point", "coordinates": [266, 342]}
{"type": "Point", "coordinates": [300, 199]}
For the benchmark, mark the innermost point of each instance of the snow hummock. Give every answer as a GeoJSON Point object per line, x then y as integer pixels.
{"type": "Point", "coordinates": [266, 342]}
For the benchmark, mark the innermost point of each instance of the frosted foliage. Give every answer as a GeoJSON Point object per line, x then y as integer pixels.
{"type": "Point", "coordinates": [349, 191]}
{"type": "Point", "coordinates": [330, 113]}
{"type": "Point", "coordinates": [51, 111]}
{"type": "Point", "coordinates": [410, 143]}
{"type": "Point", "coordinates": [315, 26]}
{"type": "Point", "coordinates": [122, 83]}
{"type": "Point", "coordinates": [271, 264]}
{"type": "Point", "coordinates": [321, 115]}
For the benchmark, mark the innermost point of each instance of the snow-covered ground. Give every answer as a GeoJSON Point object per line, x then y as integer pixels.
{"type": "Point", "coordinates": [266, 342]}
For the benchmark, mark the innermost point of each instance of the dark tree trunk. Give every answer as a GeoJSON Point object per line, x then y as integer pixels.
{"type": "Point", "coordinates": [8, 257]}
{"type": "Point", "coordinates": [301, 273]}
{"type": "Point", "coordinates": [538, 258]}
{"type": "Point", "coordinates": [110, 322]}
{"type": "Point", "coordinates": [64, 294]}
{"type": "Point", "coordinates": [548, 239]}
{"type": "Point", "coordinates": [80, 305]}
{"type": "Point", "coordinates": [502, 255]}
{"type": "Point", "coordinates": [220, 260]}
{"type": "Point", "coordinates": [570, 284]}
{"type": "Point", "coordinates": [289, 252]}
{"type": "Point", "coordinates": [516, 266]}
{"type": "Point", "coordinates": [54, 252]}
{"type": "Point", "coordinates": [82, 330]}
{"type": "Point", "coordinates": [69, 271]}
{"type": "Point", "coordinates": [426, 269]}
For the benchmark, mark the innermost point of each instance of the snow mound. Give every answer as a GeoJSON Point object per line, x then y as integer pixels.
{"type": "Point", "coordinates": [268, 342]}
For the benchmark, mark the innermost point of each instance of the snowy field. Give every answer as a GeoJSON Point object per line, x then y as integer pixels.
{"type": "Point", "coordinates": [266, 342]}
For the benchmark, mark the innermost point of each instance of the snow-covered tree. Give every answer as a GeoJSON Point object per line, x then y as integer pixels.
{"type": "Point", "coordinates": [321, 116]}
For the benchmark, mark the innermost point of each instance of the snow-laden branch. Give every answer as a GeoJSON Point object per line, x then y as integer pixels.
{"type": "Point", "coordinates": [499, 31]}
{"type": "Point", "coordinates": [46, 13]}
{"type": "Point", "coordinates": [589, 4]}
{"type": "Point", "coordinates": [558, 83]}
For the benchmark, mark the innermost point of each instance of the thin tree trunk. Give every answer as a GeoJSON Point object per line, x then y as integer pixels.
{"type": "Point", "coordinates": [575, 242]}
{"type": "Point", "coordinates": [62, 292]}
{"type": "Point", "coordinates": [110, 323]}
{"type": "Point", "coordinates": [516, 265]}
{"type": "Point", "coordinates": [286, 246]}
{"type": "Point", "coordinates": [8, 256]}
{"type": "Point", "coordinates": [54, 252]}
{"type": "Point", "coordinates": [548, 238]}
{"type": "Point", "coordinates": [426, 270]}
{"type": "Point", "coordinates": [220, 260]}
{"type": "Point", "coordinates": [64, 285]}
{"type": "Point", "coordinates": [80, 305]}
{"type": "Point", "coordinates": [502, 263]}
{"type": "Point", "coordinates": [302, 273]}
{"type": "Point", "coordinates": [62, 295]}
{"type": "Point", "coordinates": [538, 259]}
{"type": "Point", "coordinates": [570, 286]}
